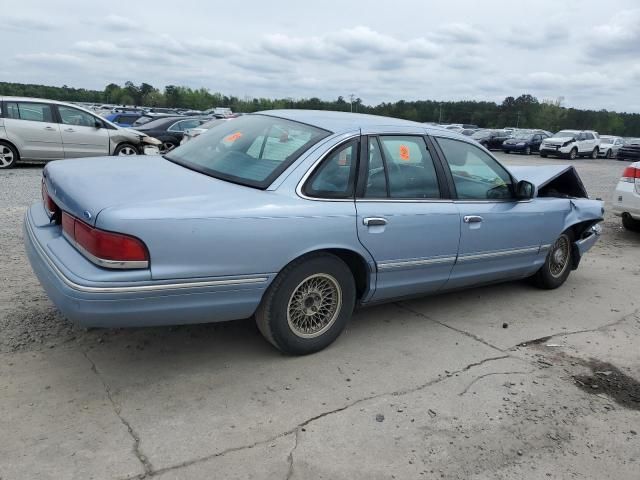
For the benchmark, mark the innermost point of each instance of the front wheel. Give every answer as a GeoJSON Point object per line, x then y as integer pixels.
{"type": "Point", "coordinates": [8, 155]}
{"type": "Point", "coordinates": [308, 304]}
{"type": "Point", "coordinates": [573, 153]}
{"type": "Point", "coordinates": [594, 154]}
{"type": "Point", "coordinates": [609, 154]}
{"type": "Point", "coordinates": [125, 150]}
{"type": "Point", "coordinates": [166, 147]}
{"type": "Point", "coordinates": [557, 265]}
{"type": "Point", "coordinates": [527, 151]}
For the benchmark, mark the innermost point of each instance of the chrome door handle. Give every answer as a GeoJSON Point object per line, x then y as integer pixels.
{"type": "Point", "coordinates": [472, 219]}
{"type": "Point", "coordinates": [69, 130]}
{"type": "Point", "coordinates": [49, 128]}
{"type": "Point", "coordinates": [374, 221]}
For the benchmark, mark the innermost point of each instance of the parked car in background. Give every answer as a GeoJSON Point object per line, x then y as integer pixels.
{"type": "Point", "coordinates": [571, 144]}
{"type": "Point", "coordinates": [169, 130]}
{"type": "Point", "coordinates": [630, 151]}
{"type": "Point", "coordinates": [147, 117]}
{"type": "Point", "coordinates": [468, 131]}
{"type": "Point", "coordinates": [123, 119]}
{"type": "Point", "coordinates": [609, 146]}
{"type": "Point", "coordinates": [296, 217]}
{"type": "Point", "coordinates": [526, 143]}
{"type": "Point", "coordinates": [43, 130]}
{"type": "Point", "coordinates": [192, 133]}
{"type": "Point", "coordinates": [626, 198]}
{"type": "Point", "coordinates": [491, 139]}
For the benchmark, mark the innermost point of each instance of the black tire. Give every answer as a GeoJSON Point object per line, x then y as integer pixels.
{"type": "Point", "coordinates": [125, 149]}
{"type": "Point", "coordinates": [573, 154]}
{"type": "Point", "coordinates": [543, 155]}
{"type": "Point", "coordinates": [630, 223]}
{"type": "Point", "coordinates": [594, 154]}
{"type": "Point", "coordinates": [609, 154]}
{"type": "Point", "coordinates": [9, 156]}
{"type": "Point", "coordinates": [278, 326]}
{"type": "Point", "coordinates": [549, 277]}
{"type": "Point", "coordinates": [527, 151]}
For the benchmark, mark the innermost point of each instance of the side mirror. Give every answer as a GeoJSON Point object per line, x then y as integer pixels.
{"type": "Point", "coordinates": [98, 124]}
{"type": "Point", "coordinates": [525, 190]}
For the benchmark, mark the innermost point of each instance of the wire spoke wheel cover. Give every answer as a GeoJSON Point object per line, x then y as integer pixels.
{"type": "Point", "coordinates": [314, 305]}
{"type": "Point", "coordinates": [6, 156]}
{"type": "Point", "coordinates": [559, 256]}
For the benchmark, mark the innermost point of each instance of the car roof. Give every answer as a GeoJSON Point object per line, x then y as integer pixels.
{"type": "Point", "coordinates": [338, 122]}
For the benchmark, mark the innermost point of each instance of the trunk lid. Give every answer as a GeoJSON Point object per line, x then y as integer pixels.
{"type": "Point", "coordinates": [85, 187]}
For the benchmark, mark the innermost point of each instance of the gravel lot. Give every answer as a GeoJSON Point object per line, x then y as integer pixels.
{"type": "Point", "coordinates": [430, 388]}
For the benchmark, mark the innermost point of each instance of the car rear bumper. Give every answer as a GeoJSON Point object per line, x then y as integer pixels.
{"type": "Point", "coordinates": [145, 303]}
{"type": "Point", "coordinates": [626, 200]}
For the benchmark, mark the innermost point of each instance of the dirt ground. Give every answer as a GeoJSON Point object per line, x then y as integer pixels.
{"type": "Point", "coordinates": [428, 388]}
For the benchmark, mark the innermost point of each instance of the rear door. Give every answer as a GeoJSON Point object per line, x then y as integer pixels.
{"type": "Point", "coordinates": [501, 237]}
{"type": "Point", "coordinates": [404, 216]}
{"type": "Point", "coordinates": [80, 135]}
{"type": "Point", "coordinates": [33, 128]}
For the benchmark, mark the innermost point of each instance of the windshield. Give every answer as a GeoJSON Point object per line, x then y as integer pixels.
{"type": "Point", "coordinates": [251, 150]}
{"type": "Point", "coordinates": [565, 133]}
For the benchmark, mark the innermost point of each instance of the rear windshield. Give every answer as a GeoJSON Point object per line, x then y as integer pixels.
{"type": "Point", "coordinates": [251, 150]}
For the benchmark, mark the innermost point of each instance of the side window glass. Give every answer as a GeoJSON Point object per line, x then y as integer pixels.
{"type": "Point", "coordinates": [11, 110]}
{"type": "Point", "coordinates": [376, 186]}
{"type": "Point", "coordinates": [476, 175]}
{"type": "Point", "coordinates": [176, 127]}
{"type": "Point", "coordinates": [410, 169]}
{"type": "Point", "coordinates": [35, 112]}
{"type": "Point", "coordinates": [335, 176]}
{"type": "Point", "coordinates": [71, 116]}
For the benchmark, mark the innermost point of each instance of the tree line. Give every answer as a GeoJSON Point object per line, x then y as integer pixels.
{"type": "Point", "coordinates": [524, 111]}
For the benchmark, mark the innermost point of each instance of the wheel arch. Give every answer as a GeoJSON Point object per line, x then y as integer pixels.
{"type": "Point", "coordinates": [361, 269]}
{"type": "Point", "coordinates": [125, 142]}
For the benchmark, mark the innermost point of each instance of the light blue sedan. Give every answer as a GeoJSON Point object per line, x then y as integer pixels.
{"type": "Point", "coordinates": [297, 218]}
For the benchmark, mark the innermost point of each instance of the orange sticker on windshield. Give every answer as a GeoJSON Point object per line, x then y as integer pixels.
{"type": "Point", "coordinates": [233, 137]}
{"type": "Point", "coordinates": [404, 152]}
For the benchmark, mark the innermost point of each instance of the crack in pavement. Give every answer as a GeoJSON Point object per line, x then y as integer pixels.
{"type": "Point", "coordinates": [463, 332]}
{"type": "Point", "coordinates": [146, 465]}
{"type": "Point", "coordinates": [476, 379]}
{"type": "Point", "coordinates": [290, 472]}
{"type": "Point", "coordinates": [295, 430]}
{"type": "Point", "coordinates": [576, 332]}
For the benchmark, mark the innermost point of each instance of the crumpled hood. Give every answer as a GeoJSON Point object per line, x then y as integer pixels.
{"type": "Point", "coordinates": [564, 176]}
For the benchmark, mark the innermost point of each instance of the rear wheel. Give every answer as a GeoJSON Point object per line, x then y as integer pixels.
{"type": "Point", "coordinates": [125, 150]}
{"type": "Point", "coordinates": [8, 155]}
{"type": "Point", "coordinates": [308, 304]}
{"type": "Point", "coordinates": [630, 223]}
{"type": "Point", "coordinates": [557, 265]}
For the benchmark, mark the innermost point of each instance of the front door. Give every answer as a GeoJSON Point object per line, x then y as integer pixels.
{"type": "Point", "coordinates": [80, 135]}
{"type": "Point", "coordinates": [32, 127]}
{"type": "Point", "coordinates": [501, 237]}
{"type": "Point", "coordinates": [404, 217]}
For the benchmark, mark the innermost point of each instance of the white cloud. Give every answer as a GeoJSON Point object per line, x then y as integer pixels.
{"type": "Point", "coordinates": [618, 37]}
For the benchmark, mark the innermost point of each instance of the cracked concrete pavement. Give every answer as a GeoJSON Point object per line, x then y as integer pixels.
{"type": "Point", "coordinates": [428, 388]}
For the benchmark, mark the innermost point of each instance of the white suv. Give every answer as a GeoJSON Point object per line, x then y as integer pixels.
{"type": "Point", "coordinates": [572, 144]}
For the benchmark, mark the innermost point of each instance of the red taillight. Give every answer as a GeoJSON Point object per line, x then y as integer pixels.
{"type": "Point", "coordinates": [630, 174]}
{"type": "Point", "coordinates": [107, 249]}
{"type": "Point", "coordinates": [49, 204]}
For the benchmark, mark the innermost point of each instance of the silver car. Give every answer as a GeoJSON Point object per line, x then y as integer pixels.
{"type": "Point", "coordinates": [42, 130]}
{"type": "Point", "coordinates": [609, 146]}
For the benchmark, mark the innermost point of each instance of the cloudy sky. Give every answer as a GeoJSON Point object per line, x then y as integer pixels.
{"type": "Point", "coordinates": [585, 51]}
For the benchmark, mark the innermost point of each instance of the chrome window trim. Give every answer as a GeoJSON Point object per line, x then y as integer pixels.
{"type": "Point", "coordinates": [138, 288]}
{"type": "Point", "coordinates": [403, 200]}
{"type": "Point", "coordinates": [316, 164]}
